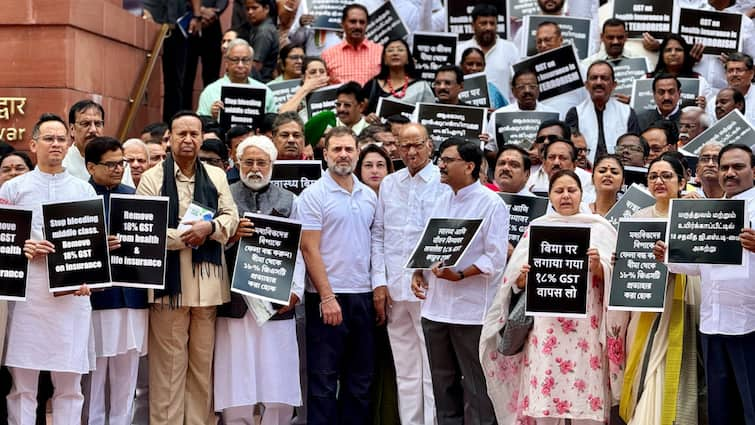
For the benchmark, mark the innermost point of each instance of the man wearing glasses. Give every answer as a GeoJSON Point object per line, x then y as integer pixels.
{"type": "Point", "coordinates": [116, 309]}
{"type": "Point", "coordinates": [86, 121]}
{"type": "Point", "coordinates": [239, 57]}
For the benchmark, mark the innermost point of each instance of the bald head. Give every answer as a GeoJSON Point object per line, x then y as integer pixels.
{"type": "Point", "coordinates": [415, 147]}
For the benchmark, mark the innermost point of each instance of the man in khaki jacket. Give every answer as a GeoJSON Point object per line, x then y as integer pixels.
{"type": "Point", "coordinates": [182, 316]}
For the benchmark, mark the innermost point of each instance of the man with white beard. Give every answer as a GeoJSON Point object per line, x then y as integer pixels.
{"type": "Point", "coordinates": [268, 351]}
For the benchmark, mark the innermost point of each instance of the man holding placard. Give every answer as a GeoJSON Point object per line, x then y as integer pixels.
{"type": "Point", "coordinates": [202, 216]}
{"type": "Point", "coordinates": [269, 351]}
{"type": "Point", "coordinates": [117, 311]}
{"type": "Point", "coordinates": [457, 299]}
{"type": "Point", "coordinates": [44, 321]}
{"type": "Point", "coordinates": [727, 322]}
{"type": "Point", "coordinates": [238, 61]}
{"type": "Point", "coordinates": [399, 221]}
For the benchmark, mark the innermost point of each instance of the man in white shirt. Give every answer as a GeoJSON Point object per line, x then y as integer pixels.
{"type": "Point", "coordinates": [500, 54]}
{"type": "Point", "coordinates": [560, 154]}
{"type": "Point", "coordinates": [336, 214]}
{"type": "Point", "coordinates": [575, 8]}
{"type": "Point", "coordinates": [456, 300]}
{"type": "Point", "coordinates": [86, 122]}
{"type": "Point", "coordinates": [405, 197]}
{"type": "Point", "coordinates": [601, 118]}
{"type": "Point", "coordinates": [739, 74]}
{"type": "Point", "coordinates": [727, 309]}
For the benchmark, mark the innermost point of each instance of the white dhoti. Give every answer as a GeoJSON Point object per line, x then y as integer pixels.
{"type": "Point", "coordinates": [256, 364]}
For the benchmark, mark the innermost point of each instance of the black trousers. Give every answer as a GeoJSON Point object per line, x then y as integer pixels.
{"type": "Point", "coordinates": [206, 47]}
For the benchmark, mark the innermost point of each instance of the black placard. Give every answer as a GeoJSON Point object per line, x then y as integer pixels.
{"type": "Point", "coordinates": [557, 281]}
{"type": "Point", "coordinates": [522, 210]}
{"type": "Point", "coordinates": [575, 31]}
{"type": "Point", "coordinates": [323, 99]}
{"type": "Point", "coordinates": [634, 175]}
{"type": "Point", "coordinates": [390, 107]}
{"type": "Point", "coordinates": [475, 91]}
{"type": "Point", "coordinates": [459, 17]}
{"type": "Point", "coordinates": [284, 90]}
{"type": "Point", "coordinates": [327, 13]}
{"type": "Point", "coordinates": [77, 230]}
{"type": "Point", "coordinates": [15, 229]}
{"type": "Point", "coordinates": [519, 128]}
{"type": "Point", "coordinates": [638, 281]}
{"type": "Point", "coordinates": [719, 32]}
{"type": "Point", "coordinates": [444, 121]}
{"type": "Point", "coordinates": [266, 261]}
{"type": "Point", "coordinates": [557, 71]}
{"type": "Point", "coordinates": [141, 224]}
{"type": "Point", "coordinates": [733, 128]}
{"type": "Point", "coordinates": [642, 93]}
{"type": "Point", "coordinates": [431, 50]}
{"type": "Point", "coordinates": [634, 199]}
{"type": "Point", "coordinates": [627, 70]}
{"type": "Point", "coordinates": [386, 24]}
{"type": "Point", "coordinates": [705, 231]}
{"type": "Point", "coordinates": [518, 9]}
{"type": "Point", "coordinates": [295, 175]}
{"type": "Point", "coordinates": [444, 241]}
{"type": "Point", "coordinates": [242, 105]}
{"type": "Point", "coordinates": [651, 16]}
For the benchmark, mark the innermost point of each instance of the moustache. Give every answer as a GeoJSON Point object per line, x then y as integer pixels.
{"type": "Point", "coordinates": [254, 175]}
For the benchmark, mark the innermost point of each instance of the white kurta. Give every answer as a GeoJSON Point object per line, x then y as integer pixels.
{"type": "Point", "coordinates": [47, 332]}
{"type": "Point", "coordinates": [120, 330]}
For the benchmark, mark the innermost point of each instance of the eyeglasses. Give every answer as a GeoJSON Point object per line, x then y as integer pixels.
{"type": "Point", "coordinates": [665, 176]}
{"type": "Point", "coordinates": [583, 150]}
{"type": "Point", "coordinates": [245, 60]}
{"type": "Point", "coordinates": [113, 165]}
{"type": "Point", "coordinates": [406, 147]}
{"type": "Point", "coordinates": [212, 161]}
{"type": "Point", "coordinates": [447, 160]}
{"type": "Point", "coordinates": [550, 138]}
{"type": "Point", "coordinates": [53, 139]}
{"type": "Point", "coordinates": [87, 124]}
{"type": "Point", "coordinates": [260, 163]}
{"type": "Point", "coordinates": [629, 148]}
{"type": "Point", "coordinates": [295, 57]}
{"type": "Point", "coordinates": [704, 159]}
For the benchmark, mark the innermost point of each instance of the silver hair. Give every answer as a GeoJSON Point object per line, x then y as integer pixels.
{"type": "Point", "coordinates": [136, 142]}
{"type": "Point", "coordinates": [239, 42]}
{"type": "Point", "coordinates": [702, 116]}
{"type": "Point", "coordinates": [260, 142]}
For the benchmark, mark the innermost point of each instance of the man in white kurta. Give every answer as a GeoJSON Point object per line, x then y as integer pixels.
{"type": "Point", "coordinates": [457, 298]}
{"type": "Point", "coordinates": [256, 358]}
{"type": "Point", "coordinates": [405, 198]}
{"type": "Point", "coordinates": [47, 332]}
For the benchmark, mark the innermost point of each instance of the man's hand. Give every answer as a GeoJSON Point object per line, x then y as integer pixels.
{"type": "Point", "coordinates": [292, 301]}
{"type": "Point", "coordinates": [659, 251]}
{"type": "Point", "coordinates": [697, 51]}
{"type": "Point", "coordinates": [306, 19]}
{"type": "Point", "coordinates": [747, 237]}
{"type": "Point", "coordinates": [197, 234]}
{"type": "Point", "coordinates": [623, 98]}
{"type": "Point", "coordinates": [113, 242]}
{"type": "Point", "coordinates": [34, 248]}
{"type": "Point", "coordinates": [215, 109]}
{"type": "Point", "coordinates": [330, 311]}
{"type": "Point", "coordinates": [83, 291]}
{"type": "Point", "coordinates": [446, 273]}
{"type": "Point", "coordinates": [419, 285]}
{"type": "Point", "coordinates": [245, 229]}
{"type": "Point", "coordinates": [381, 299]}
{"type": "Point", "coordinates": [650, 43]}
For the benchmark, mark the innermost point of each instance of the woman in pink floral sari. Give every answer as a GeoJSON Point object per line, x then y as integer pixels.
{"type": "Point", "coordinates": [569, 368]}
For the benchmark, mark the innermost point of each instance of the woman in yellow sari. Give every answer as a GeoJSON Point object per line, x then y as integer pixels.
{"type": "Point", "coordinates": [661, 378]}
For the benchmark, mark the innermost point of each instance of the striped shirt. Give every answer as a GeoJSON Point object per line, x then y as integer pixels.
{"type": "Point", "coordinates": [348, 63]}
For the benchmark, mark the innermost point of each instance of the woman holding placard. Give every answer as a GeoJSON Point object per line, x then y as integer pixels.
{"type": "Point", "coordinates": [569, 368]}
{"type": "Point", "coordinates": [607, 177]}
{"type": "Point", "coordinates": [661, 382]}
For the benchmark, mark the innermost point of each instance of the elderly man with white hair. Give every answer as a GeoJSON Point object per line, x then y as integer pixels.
{"type": "Point", "coordinates": [136, 153]}
{"type": "Point", "coordinates": [257, 363]}
{"type": "Point", "coordinates": [238, 65]}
